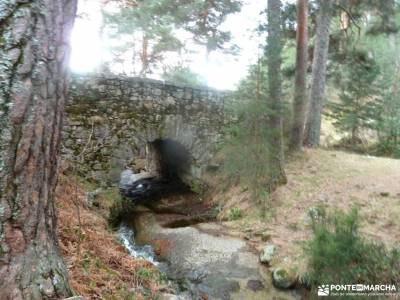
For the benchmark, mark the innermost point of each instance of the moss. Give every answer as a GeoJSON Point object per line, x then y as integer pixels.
{"type": "Point", "coordinates": [196, 186]}
{"type": "Point", "coordinates": [119, 207]}
{"type": "Point", "coordinates": [110, 195]}
{"type": "Point", "coordinates": [281, 273]}
{"type": "Point", "coordinates": [78, 109]}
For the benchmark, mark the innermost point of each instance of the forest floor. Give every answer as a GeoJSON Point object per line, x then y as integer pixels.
{"type": "Point", "coordinates": [335, 179]}
{"type": "Point", "coordinates": [99, 266]}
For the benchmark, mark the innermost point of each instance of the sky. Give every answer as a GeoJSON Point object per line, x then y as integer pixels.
{"type": "Point", "coordinates": [221, 71]}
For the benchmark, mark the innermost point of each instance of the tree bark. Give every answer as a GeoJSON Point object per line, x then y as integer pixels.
{"type": "Point", "coordinates": [274, 101]}
{"type": "Point", "coordinates": [34, 52]}
{"type": "Point", "coordinates": [313, 126]}
{"type": "Point", "coordinates": [300, 92]}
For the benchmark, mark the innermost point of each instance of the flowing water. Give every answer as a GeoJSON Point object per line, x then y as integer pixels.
{"type": "Point", "coordinates": [200, 257]}
{"type": "Point", "coordinates": [126, 236]}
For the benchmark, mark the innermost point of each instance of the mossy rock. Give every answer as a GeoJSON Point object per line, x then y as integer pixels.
{"type": "Point", "coordinates": [284, 277]}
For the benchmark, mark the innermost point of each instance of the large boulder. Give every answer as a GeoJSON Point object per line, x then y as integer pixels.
{"type": "Point", "coordinates": [137, 185]}
{"type": "Point", "coordinates": [128, 177]}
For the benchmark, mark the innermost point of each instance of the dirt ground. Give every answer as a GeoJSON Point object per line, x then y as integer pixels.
{"type": "Point", "coordinates": [336, 179]}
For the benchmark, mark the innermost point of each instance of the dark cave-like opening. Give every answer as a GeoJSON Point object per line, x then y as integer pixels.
{"type": "Point", "coordinates": [168, 162]}
{"type": "Point", "coordinates": [170, 159]}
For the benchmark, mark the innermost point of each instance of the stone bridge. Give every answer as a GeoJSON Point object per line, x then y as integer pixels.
{"type": "Point", "coordinates": [114, 123]}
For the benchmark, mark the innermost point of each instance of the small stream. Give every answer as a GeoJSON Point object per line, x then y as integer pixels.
{"type": "Point", "coordinates": [126, 235]}
{"type": "Point", "coordinates": [202, 260]}
{"type": "Point", "coordinates": [199, 256]}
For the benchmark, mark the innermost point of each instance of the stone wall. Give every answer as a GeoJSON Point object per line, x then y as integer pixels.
{"type": "Point", "coordinates": [110, 122]}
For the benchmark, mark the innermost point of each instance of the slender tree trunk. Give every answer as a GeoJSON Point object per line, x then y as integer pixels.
{"type": "Point", "coordinates": [145, 55]}
{"type": "Point", "coordinates": [34, 51]}
{"type": "Point", "coordinates": [274, 101]}
{"type": "Point", "coordinates": [300, 92]}
{"type": "Point", "coordinates": [313, 126]}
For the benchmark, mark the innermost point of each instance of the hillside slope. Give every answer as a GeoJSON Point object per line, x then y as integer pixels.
{"type": "Point", "coordinates": [99, 266]}
{"type": "Point", "coordinates": [335, 179]}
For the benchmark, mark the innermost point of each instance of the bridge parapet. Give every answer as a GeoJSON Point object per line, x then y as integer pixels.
{"type": "Point", "coordinates": [111, 121]}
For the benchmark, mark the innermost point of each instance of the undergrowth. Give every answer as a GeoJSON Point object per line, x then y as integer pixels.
{"type": "Point", "coordinates": [339, 254]}
{"type": "Point", "coordinates": [235, 213]}
{"type": "Point", "coordinates": [246, 152]}
{"type": "Point", "coordinates": [118, 209]}
{"type": "Point", "coordinates": [99, 266]}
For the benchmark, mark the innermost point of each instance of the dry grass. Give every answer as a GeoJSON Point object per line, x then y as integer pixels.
{"type": "Point", "coordinates": [99, 267]}
{"type": "Point", "coordinates": [336, 179]}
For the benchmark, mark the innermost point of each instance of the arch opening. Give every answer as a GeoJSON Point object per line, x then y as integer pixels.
{"type": "Point", "coordinates": [168, 159]}
{"type": "Point", "coordinates": [167, 165]}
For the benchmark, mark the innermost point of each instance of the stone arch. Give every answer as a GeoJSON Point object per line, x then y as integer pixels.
{"type": "Point", "coordinates": [121, 116]}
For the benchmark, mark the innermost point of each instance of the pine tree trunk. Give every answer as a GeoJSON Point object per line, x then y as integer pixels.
{"type": "Point", "coordinates": [274, 101]}
{"type": "Point", "coordinates": [300, 92]}
{"type": "Point", "coordinates": [34, 50]}
{"type": "Point", "coordinates": [313, 126]}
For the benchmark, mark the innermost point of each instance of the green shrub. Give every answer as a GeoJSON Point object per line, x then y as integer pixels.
{"type": "Point", "coordinates": [119, 208]}
{"type": "Point", "coordinates": [144, 274]}
{"type": "Point", "coordinates": [338, 254]}
{"type": "Point", "coordinates": [389, 148]}
{"type": "Point", "coordinates": [235, 213]}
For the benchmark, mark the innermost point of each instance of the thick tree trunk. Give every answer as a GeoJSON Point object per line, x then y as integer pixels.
{"type": "Point", "coordinates": [313, 126]}
{"type": "Point", "coordinates": [300, 90]}
{"type": "Point", "coordinates": [274, 101]}
{"type": "Point", "coordinates": [34, 50]}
